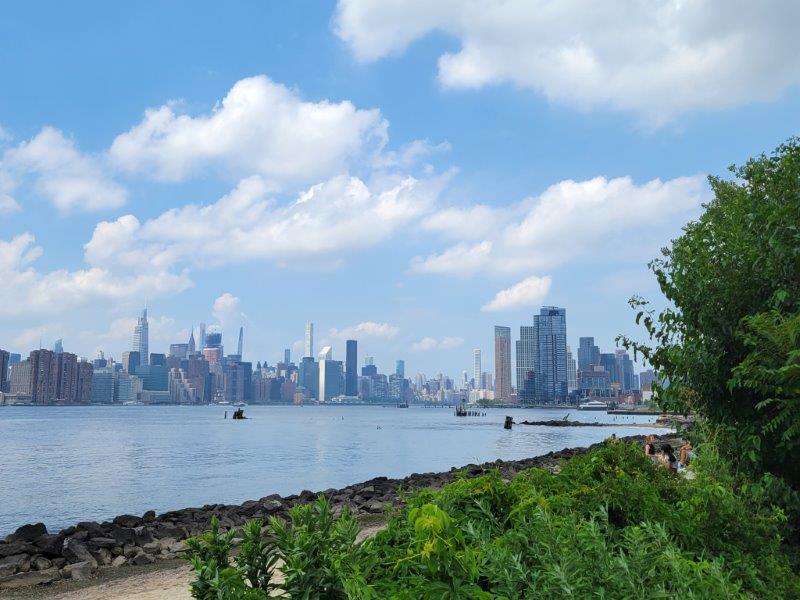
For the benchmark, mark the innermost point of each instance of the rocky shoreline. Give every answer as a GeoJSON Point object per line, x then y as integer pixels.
{"type": "Point", "coordinates": [33, 556]}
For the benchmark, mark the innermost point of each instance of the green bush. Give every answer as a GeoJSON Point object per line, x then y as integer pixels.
{"type": "Point", "coordinates": [610, 524]}
{"type": "Point", "coordinates": [728, 342]}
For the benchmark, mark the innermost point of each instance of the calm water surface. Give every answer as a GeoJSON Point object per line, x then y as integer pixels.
{"type": "Point", "coordinates": [60, 465]}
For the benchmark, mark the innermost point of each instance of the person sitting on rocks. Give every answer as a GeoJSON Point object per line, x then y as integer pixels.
{"type": "Point", "coordinates": [667, 458]}
{"type": "Point", "coordinates": [650, 447]}
{"type": "Point", "coordinates": [685, 454]}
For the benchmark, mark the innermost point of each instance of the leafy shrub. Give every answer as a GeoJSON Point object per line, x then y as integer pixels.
{"type": "Point", "coordinates": [610, 524]}
{"type": "Point", "coordinates": [728, 342]}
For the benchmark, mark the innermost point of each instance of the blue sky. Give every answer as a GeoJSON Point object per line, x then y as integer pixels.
{"type": "Point", "coordinates": [408, 173]}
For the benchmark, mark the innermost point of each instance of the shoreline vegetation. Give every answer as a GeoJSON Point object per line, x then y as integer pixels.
{"type": "Point", "coordinates": [31, 556]}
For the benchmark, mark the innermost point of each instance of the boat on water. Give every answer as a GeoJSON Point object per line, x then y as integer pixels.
{"type": "Point", "coordinates": [593, 405]}
{"type": "Point", "coordinates": [240, 404]}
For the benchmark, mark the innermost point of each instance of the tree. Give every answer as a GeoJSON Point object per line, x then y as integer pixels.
{"type": "Point", "coordinates": [731, 279]}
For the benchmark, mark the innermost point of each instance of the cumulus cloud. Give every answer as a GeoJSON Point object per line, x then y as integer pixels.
{"type": "Point", "coordinates": [597, 220]}
{"type": "Point", "coordinates": [431, 343]}
{"type": "Point", "coordinates": [259, 127]}
{"type": "Point", "coordinates": [25, 290]}
{"type": "Point", "coordinates": [528, 292]}
{"type": "Point", "coordinates": [70, 179]}
{"type": "Point", "coordinates": [340, 214]}
{"type": "Point", "coordinates": [226, 309]}
{"type": "Point", "coordinates": [654, 58]}
{"type": "Point", "coordinates": [368, 329]}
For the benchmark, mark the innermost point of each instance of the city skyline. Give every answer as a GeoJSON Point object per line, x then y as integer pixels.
{"type": "Point", "coordinates": [302, 169]}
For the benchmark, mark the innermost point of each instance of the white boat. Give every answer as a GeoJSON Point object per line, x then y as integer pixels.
{"type": "Point", "coordinates": [593, 405]}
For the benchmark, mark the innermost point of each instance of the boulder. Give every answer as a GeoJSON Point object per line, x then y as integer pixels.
{"type": "Point", "coordinates": [149, 516]}
{"type": "Point", "coordinates": [50, 544]}
{"type": "Point", "coordinates": [179, 547]}
{"type": "Point", "coordinates": [92, 528]}
{"type": "Point", "coordinates": [16, 548]}
{"type": "Point", "coordinates": [14, 564]}
{"type": "Point", "coordinates": [122, 535]}
{"type": "Point", "coordinates": [129, 550]}
{"type": "Point", "coordinates": [271, 505]}
{"type": "Point", "coordinates": [171, 531]}
{"type": "Point", "coordinates": [79, 570]}
{"type": "Point", "coordinates": [119, 561]}
{"type": "Point", "coordinates": [101, 542]}
{"type": "Point", "coordinates": [143, 535]}
{"type": "Point", "coordinates": [152, 547]}
{"type": "Point", "coordinates": [75, 552]}
{"type": "Point", "coordinates": [27, 533]}
{"type": "Point", "coordinates": [142, 559]}
{"type": "Point", "coordinates": [40, 563]}
{"type": "Point", "coordinates": [166, 543]}
{"type": "Point", "coordinates": [103, 556]}
{"type": "Point", "coordinates": [30, 578]}
{"type": "Point", "coordinates": [127, 521]}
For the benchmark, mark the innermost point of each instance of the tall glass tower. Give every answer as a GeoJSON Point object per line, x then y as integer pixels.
{"type": "Point", "coordinates": [550, 331]}
{"type": "Point", "coordinates": [351, 368]}
{"type": "Point", "coordinates": [141, 339]}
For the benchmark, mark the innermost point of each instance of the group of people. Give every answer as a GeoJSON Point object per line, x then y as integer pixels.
{"type": "Point", "coordinates": [665, 455]}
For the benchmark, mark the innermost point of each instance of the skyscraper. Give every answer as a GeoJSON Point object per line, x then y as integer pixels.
{"type": "Point", "coordinates": [476, 367]}
{"type": "Point", "coordinates": [351, 368]}
{"type": "Point", "coordinates": [141, 338]}
{"type": "Point", "coordinates": [330, 375]}
{"type": "Point", "coordinates": [131, 360]}
{"type": "Point", "coordinates": [572, 372]}
{"type": "Point", "coordinates": [67, 377]}
{"type": "Point", "coordinates": [58, 347]}
{"type": "Point", "coordinates": [502, 363]}
{"type": "Point", "coordinates": [526, 364]}
{"type": "Point", "coordinates": [191, 346]}
{"type": "Point", "coordinates": [202, 329]}
{"type": "Point", "coordinates": [44, 376]}
{"type": "Point", "coordinates": [400, 369]}
{"type": "Point", "coordinates": [241, 342]}
{"type": "Point", "coordinates": [287, 356]}
{"type": "Point", "coordinates": [588, 354]}
{"type": "Point", "coordinates": [4, 356]}
{"type": "Point", "coordinates": [326, 353]}
{"type": "Point", "coordinates": [309, 349]}
{"type": "Point", "coordinates": [551, 354]}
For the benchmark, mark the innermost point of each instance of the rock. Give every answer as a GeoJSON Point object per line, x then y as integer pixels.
{"type": "Point", "coordinates": [119, 561]}
{"type": "Point", "coordinates": [16, 548]}
{"type": "Point", "coordinates": [92, 528]}
{"type": "Point", "coordinates": [129, 550]}
{"type": "Point", "coordinates": [168, 556]}
{"type": "Point", "coordinates": [127, 520]}
{"type": "Point", "coordinates": [50, 544]}
{"type": "Point", "coordinates": [59, 562]}
{"type": "Point", "coordinates": [142, 559]}
{"type": "Point", "coordinates": [179, 547]}
{"type": "Point", "coordinates": [75, 552]}
{"type": "Point", "coordinates": [149, 516]}
{"type": "Point", "coordinates": [30, 578]}
{"type": "Point", "coordinates": [375, 507]}
{"type": "Point", "coordinates": [79, 570]}
{"type": "Point", "coordinates": [40, 563]}
{"type": "Point", "coordinates": [152, 547]}
{"type": "Point", "coordinates": [170, 531]}
{"type": "Point", "coordinates": [14, 564]}
{"type": "Point", "coordinates": [102, 542]}
{"type": "Point", "coordinates": [103, 556]}
{"type": "Point", "coordinates": [122, 535]}
{"type": "Point", "coordinates": [166, 543]}
{"type": "Point", "coordinates": [27, 533]}
{"type": "Point", "coordinates": [143, 535]}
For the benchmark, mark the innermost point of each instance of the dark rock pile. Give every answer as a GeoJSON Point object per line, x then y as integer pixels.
{"type": "Point", "coordinates": [32, 556]}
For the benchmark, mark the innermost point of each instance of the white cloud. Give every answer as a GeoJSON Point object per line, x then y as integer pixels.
{"type": "Point", "coordinates": [654, 58]}
{"type": "Point", "coordinates": [411, 154]}
{"type": "Point", "coordinates": [368, 329]}
{"type": "Point", "coordinates": [597, 220]}
{"type": "Point", "coordinates": [68, 178]}
{"type": "Point", "coordinates": [259, 127]}
{"type": "Point", "coordinates": [329, 218]}
{"type": "Point", "coordinates": [431, 343]}
{"type": "Point", "coordinates": [528, 292]}
{"type": "Point", "coordinates": [226, 310]}
{"type": "Point", "coordinates": [25, 290]}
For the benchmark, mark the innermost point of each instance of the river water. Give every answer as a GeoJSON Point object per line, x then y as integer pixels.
{"type": "Point", "coordinates": [60, 465]}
